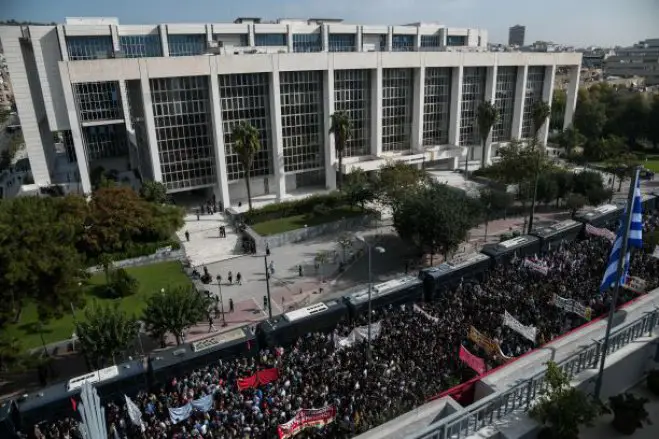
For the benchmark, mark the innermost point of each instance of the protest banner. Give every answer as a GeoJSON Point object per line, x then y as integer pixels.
{"type": "Point", "coordinates": [471, 360]}
{"type": "Point", "coordinates": [572, 306]}
{"type": "Point", "coordinates": [529, 332]}
{"type": "Point", "coordinates": [306, 418]}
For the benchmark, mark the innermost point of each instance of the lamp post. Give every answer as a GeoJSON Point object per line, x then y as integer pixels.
{"type": "Point", "coordinates": [370, 289]}
{"type": "Point", "coordinates": [267, 284]}
{"type": "Point", "coordinates": [219, 287]}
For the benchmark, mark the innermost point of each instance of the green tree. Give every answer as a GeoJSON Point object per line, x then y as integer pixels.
{"type": "Point", "coordinates": [105, 263]}
{"type": "Point", "coordinates": [539, 115]}
{"type": "Point", "coordinates": [154, 192]}
{"type": "Point", "coordinates": [564, 181]}
{"type": "Point", "coordinates": [10, 353]}
{"type": "Point", "coordinates": [590, 117]}
{"type": "Point", "coordinates": [359, 189]}
{"type": "Point", "coordinates": [653, 121]}
{"type": "Point", "coordinates": [397, 179]}
{"type": "Point", "coordinates": [599, 195]}
{"type": "Point", "coordinates": [487, 115]}
{"type": "Point", "coordinates": [586, 181]}
{"type": "Point", "coordinates": [246, 144]}
{"type": "Point", "coordinates": [436, 218]}
{"type": "Point", "coordinates": [494, 202]}
{"type": "Point", "coordinates": [341, 128]}
{"type": "Point", "coordinates": [570, 139]}
{"type": "Point", "coordinates": [561, 408]}
{"type": "Point", "coordinates": [106, 332]}
{"type": "Point", "coordinates": [575, 202]}
{"type": "Point", "coordinates": [557, 110]}
{"type": "Point", "coordinates": [173, 311]}
{"type": "Point", "coordinates": [633, 119]}
{"type": "Point", "coordinates": [547, 188]}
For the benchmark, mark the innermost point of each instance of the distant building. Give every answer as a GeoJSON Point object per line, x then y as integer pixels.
{"type": "Point", "coordinates": [641, 59]}
{"type": "Point", "coordinates": [516, 35]}
{"type": "Point", "coordinates": [594, 58]}
{"type": "Point", "coordinates": [6, 93]}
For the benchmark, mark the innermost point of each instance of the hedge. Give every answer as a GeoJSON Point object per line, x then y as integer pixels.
{"type": "Point", "coordinates": [138, 250]}
{"type": "Point", "coordinates": [295, 207]}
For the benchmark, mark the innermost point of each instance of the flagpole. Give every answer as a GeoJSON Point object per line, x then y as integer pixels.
{"type": "Point", "coordinates": [616, 285]}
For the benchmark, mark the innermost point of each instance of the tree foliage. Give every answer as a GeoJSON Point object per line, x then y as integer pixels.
{"type": "Point", "coordinates": [561, 408]}
{"type": "Point", "coordinates": [105, 333]}
{"type": "Point", "coordinates": [575, 202]}
{"type": "Point", "coordinates": [436, 218]}
{"type": "Point", "coordinates": [487, 115]}
{"type": "Point", "coordinates": [395, 180]}
{"type": "Point", "coordinates": [539, 115]}
{"type": "Point", "coordinates": [359, 188]}
{"type": "Point", "coordinates": [173, 311]}
{"type": "Point", "coordinates": [154, 191]}
{"type": "Point", "coordinates": [246, 144]}
{"type": "Point", "coordinates": [341, 128]}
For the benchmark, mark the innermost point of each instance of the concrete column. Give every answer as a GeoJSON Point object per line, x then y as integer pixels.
{"type": "Point", "coordinates": [61, 37]}
{"type": "Point", "coordinates": [520, 95]}
{"type": "Point", "coordinates": [123, 96]}
{"type": "Point", "coordinates": [390, 38]}
{"type": "Point", "coordinates": [76, 131]}
{"type": "Point", "coordinates": [325, 37]}
{"type": "Point", "coordinates": [116, 44]}
{"type": "Point", "coordinates": [456, 105]}
{"type": "Point", "coordinates": [417, 114]}
{"type": "Point", "coordinates": [547, 96]}
{"type": "Point", "coordinates": [376, 112]}
{"type": "Point", "coordinates": [277, 137]}
{"type": "Point", "coordinates": [359, 39]}
{"type": "Point", "coordinates": [571, 98]}
{"type": "Point", "coordinates": [289, 40]}
{"type": "Point", "coordinates": [417, 40]}
{"type": "Point", "coordinates": [250, 35]}
{"type": "Point", "coordinates": [490, 95]}
{"type": "Point", "coordinates": [209, 34]}
{"type": "Point", "coordinates": [328, 109]}
{"type": "Point", "coordinates": [222, 188]}
{"type": "Point", "coordinates": [149, 121]}
{"type": "Point", "coordinates": [443, 34]}
{"type": "Point", "coordinates": [163, 39]}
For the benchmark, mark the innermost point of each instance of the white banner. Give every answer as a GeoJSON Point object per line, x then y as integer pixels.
{"type": "Point", "coordinates": [358, 335]}
{"type": "Point", "coordinates": [134, 413]}
{"type": "Point", "coordinates": [529, 332]}
{"type": "Point", "coordinates": [425, 314]}
{"type": "Point", "coordinates": [570, 305]}
{"type": "Point", "coordinates": [635, 284]}
{"type": "Point", "coordinates": [602, 233]}
{"type": "Point", "coordinates": [535, 266]}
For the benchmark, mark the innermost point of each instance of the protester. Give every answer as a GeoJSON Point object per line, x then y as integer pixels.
{"type": "Point", "coordinates": [413, 357]}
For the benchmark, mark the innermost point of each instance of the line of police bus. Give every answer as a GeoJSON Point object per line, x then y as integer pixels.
{"type": "Point", "coordinates": [54, 402]}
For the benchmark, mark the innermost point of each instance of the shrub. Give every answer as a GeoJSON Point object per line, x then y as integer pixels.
{"type": "Point", "coordinates": [122, 284]}
{"type": "Point", "coordinates": [320, 210]}
{"type": "Point", "coordinates": [629, 413]}
{"type": "Point", "coordinates": [297, 207]}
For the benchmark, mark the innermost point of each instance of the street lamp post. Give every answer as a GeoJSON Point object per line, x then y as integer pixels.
{"type": "Point", "coordinates": [370, 290]}
{"type": "Point", "coordinates": [219, 287]}
{"type": "Point", "coordinates": [267, 284]}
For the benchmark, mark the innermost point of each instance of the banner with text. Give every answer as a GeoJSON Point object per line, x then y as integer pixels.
{"type": "Point", "coordinates": [471, 360]}
{"type": "Point", "coordinates": [635, 284]}
{"type": "Point", "coordinates": [570, 305]}
{"type": "Point", "coordinates": [486, 343]}
{"type": "Point", "coordinates": [529, 332]}
{"type": "Point", "coordinates": [358, 335]}
{"type": "Point", "coordinates": [602, 233]}
{"type": "Point", "coordinates": [306, 418]}
{"type": "Point", "coordinates": [418, 309]}
{"type": "Point", "coordinates": [536, 266]}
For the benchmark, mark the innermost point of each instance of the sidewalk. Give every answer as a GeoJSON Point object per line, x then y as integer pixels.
{"type": "Point", "coordinates": [205, 244]}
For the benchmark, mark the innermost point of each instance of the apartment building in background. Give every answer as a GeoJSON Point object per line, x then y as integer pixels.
{"type": "Point", "coordinates": [516, 35]}
{"type": "Point", "coordinates": [159, 102]}
{"type": "Point", "coordinates": [642, 59]}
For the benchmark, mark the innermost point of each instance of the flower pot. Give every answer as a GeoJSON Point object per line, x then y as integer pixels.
{"type": "Point", "coordinates": [622, 422]}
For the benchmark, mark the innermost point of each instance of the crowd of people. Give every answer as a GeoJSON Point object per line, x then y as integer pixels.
{"type": "Point", "coordinates": [414, 356]}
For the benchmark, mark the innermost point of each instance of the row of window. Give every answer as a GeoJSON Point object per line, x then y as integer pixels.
{"type": "Point", "coordinates": [149, 45]}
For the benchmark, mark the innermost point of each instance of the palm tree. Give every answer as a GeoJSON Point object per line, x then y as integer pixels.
{"type": "Point", "coordinates": [487, 116]}
{"type": "Point", "coordinates": [539, 115]}
{"type": "Point", "coordinates": [246, 144]}
{"type": "Point", "coordinates": [341, 128]}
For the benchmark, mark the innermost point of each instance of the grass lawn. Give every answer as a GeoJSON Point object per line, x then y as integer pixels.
{"type": "Point", "coordinates": [151, 278]}
{"type": "Point", "coordinates": [652, 164]}
{"type": "Point", "coordinates": [289, 223]}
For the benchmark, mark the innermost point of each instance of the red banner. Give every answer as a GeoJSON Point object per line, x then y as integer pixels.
{"type": "Point", "coordinates": [261, 378]}
{"type": "Point", "coordinates": [305, 418]}
{"type": "Point", "coordinates": [471, 360]}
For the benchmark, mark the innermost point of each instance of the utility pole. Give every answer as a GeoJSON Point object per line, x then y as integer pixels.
{"type": "Point", "coordinates": [267, 284]}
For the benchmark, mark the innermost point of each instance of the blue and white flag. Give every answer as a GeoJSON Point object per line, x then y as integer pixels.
{"type": "Point", "coordinates": [635, 239]}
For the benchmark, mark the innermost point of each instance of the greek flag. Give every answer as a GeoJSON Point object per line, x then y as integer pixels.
{"type": "Point", "coordinates": [635, 239]}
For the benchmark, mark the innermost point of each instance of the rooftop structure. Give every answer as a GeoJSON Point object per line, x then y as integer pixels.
{"type": "Point", "coordinates": [642, 59]}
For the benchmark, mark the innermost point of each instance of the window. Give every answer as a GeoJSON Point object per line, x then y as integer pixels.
{"type": "Point", "coordinates": [436, 106]}
{"type": "Point", "coordinates": [352, 94]}
{"type": "Point", "coordinates": [342, 42]}
{"type": "Point", "coordinates": [140, 46]}
{"type": "Point", "coordinates": [186, 45]}
{"type": "Point", "coordinates": [535, 81]}
{"type": "Point", "coordinates": [98, 101]}
{"type": "Point", "coordinates": [504, 102]}
{"type": "Point", "coordinates": [431, 41]}
{"type": "Point", "coordinates": [454, 40]}
{"type": "Point", "coordinates": [98, 47]}
{"type": "Point", "coordinates": [301, 95]}
{"type": "Point", "coordinates": [473, 93]}
{"type": "Point", "coordinates": [181, 108]}
{"type": "Point", "coordinates": [402, 43]}
{"type": "Point", "coordinates": [246, 97]}
{"type": "Point", "coordinates": [105, 141]}
{"type": "Point", "coordinates": [396, 109]}
{"type": "Point", "coordinates": [307, 42]}
{"type": "Point", "coordinates": [270, 40]}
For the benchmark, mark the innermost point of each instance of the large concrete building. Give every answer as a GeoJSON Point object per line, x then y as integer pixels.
{"type": "Point", "coordinates": [516, 35]}
{"type": "Point", "coordinates": [162, 99]}
{"type": "Point", "coordinates": [642, 59]}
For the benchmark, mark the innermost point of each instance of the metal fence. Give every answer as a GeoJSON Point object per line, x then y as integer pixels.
{"type": "Point", "coordinates": [493, 408]}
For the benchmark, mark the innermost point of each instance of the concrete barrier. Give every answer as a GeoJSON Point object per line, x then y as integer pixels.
{"type": "Point", "coordinates": [163, 256]}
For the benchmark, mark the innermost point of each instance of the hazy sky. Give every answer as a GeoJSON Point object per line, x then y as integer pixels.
{"type": "Point", "coordinates": [575, 22]}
